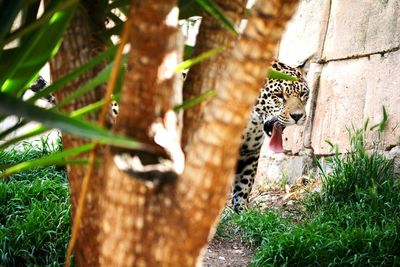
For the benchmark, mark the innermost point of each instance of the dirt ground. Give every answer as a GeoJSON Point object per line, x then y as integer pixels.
{"type": "Point", "coordinates": [224, 252]}
{"type": "Point", "coordinates": [232, 251]}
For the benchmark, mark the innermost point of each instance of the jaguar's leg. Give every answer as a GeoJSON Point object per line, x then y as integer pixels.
{"type": "Point", "coordinates": [246, 167]}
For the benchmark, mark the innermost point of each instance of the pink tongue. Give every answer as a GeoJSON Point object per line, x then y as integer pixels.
{"type": "Point", "coordinates": [275, 143]}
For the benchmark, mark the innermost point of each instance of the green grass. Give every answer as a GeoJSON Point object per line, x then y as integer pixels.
{"type": "Point", "coordinates": [34, 210]}
{"type": "Point", "coordinates": [354, 221]}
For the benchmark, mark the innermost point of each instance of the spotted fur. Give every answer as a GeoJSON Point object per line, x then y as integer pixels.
{"type": "Point", "coordinates": [279, 101]}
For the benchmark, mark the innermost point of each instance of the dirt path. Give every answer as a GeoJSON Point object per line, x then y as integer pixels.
{"type": "Point", "coordinates": [232, 251]}
{"type": "Point", "coordinates": [224, 252]}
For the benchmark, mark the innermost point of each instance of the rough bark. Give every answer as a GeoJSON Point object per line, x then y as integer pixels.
{"type": "Point", "coordinates": [203, 76]}
{"type": "Point", "coordinates": [145, 223]}
{"type": "Point", "coordinates": [81, 43]}
{"type": "Point", "coordinates": [148, 94]}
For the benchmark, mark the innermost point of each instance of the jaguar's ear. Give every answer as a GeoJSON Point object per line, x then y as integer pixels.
{"type": "Point", "coordinates": [304, 67]}
{"type": "Point", "coordinates": [275, 63]}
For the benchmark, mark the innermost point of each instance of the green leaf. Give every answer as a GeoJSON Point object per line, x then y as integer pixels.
{"type": "Point", "coordinates": [100, 78]}
{"type": "Point", "coordinates": [39, 129]}
{"type": "Point", "coordinates": [52, 119]}
{"type": "Point", "coordinates": [13, 128]}
{"type": "Point", "coordinates": [213, 9]}
{"type": "Point", "coordinates": [52, 159]}
{"type": "Point", "coordinates": [40, 22]}
{"type": "Point", "coordinates": [108, 54]}
{"type": "Point", "coordinates": [8, 11]}
{"type": "Point", "coordinates": [114, 18]}
{"type": "Point", "coordinates": [39, 47]}
{"type": "Point", "coordinates": [274, 74]}
{"type": "Point", "coordinates": [195, 100]}
{"type": "Point", "coordinates": [206, 55]}
{"type": "Point", "coordinates": [117, 4]}
{"type": "Point", "coordinates": [29, 15]}
{"type": "Point", "coordinates": [187, 51]}
{"type": "Point", "coordinates": [189, 8]}
{"type": "Point", "coordinates": [116, 30]}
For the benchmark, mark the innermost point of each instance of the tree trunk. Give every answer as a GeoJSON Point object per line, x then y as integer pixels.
{"type": "Point", "coordinates": [203, 76]}
{"type": "Point", "coordinates": [81, 43]}
{"type": "Point", "coordinates": [160, 222]}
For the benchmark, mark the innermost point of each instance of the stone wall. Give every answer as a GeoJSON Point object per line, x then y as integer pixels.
{"type": "Point", "coordinates": [353, 50]}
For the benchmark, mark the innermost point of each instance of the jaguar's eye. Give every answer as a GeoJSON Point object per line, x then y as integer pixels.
{"type": "Point", "coordinates": [303, 95]}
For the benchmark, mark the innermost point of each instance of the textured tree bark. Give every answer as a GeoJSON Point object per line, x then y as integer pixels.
{"type": "Point", "coordinates": [145, 223]}
{"type": "Point", "coordinates": [81, 43]}
{"type": "Point", "coordinates": [203, 76]}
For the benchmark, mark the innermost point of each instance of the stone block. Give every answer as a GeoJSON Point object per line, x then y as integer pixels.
{"type": "Point", "coordinates": [281, 168]}
{"type": "Point", "coordinates": [352, 91]}
{"type": "Point", "coordinates": [305, 33]}
{"type": "Point", "coordinates": [362, 27]}
{"type": "Point", "coordinates": [383, 89]}
{"type": "Point", "coordinates": [394, 154]}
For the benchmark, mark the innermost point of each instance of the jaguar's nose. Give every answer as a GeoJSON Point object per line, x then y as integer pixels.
{"type": "Point", "coordinates": [296, 116]}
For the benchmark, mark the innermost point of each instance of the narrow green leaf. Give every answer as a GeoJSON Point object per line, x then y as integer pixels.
{"type": "Point", "coordinates": [274, 74]}
{"type": "Point", "coordinates": [117, 4]}
{"type": "Point", "coordinates": [116, 30]}
{"type": "Point", "coordinates": [39, 129]}
{"type": "Point", "coordinates": [39, 22]}
{"type": "Point", "coordinates": [100, 78]}
{"type": "Point", "coordinates": [195, 100]}
{"type": "Point", "coordinates": [53, 119]}
{"type": "Point", "coordinates": [190, 62]}
{"type": "Point", "coordinates": [187, 52]}
{"type": "Point", "coordinates": [29, 15]}
{"type": "Point", "coordinates": [189, 8]}
{"type": "Point", "coordinates": [13, 128]}
{"type": "Point", "coordinates": [213, 9]}
{"type": "Point", "coordinates": [114, 18]}
{"type": "Point", "coordinates": [109, 53]}
{"type": "Point", "coordinates": [52, 159]}
{"type": "Point", "coordinates": [8, 11]}
{"type": "Point", "coordinates": [40, 46]}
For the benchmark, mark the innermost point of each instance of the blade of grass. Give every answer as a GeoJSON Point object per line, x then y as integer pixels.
{"type": "Point", "coordinates": [383, 123]}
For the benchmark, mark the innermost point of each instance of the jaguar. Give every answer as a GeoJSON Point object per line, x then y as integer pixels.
{"type": "Point", "coordinates": [281, 103]}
